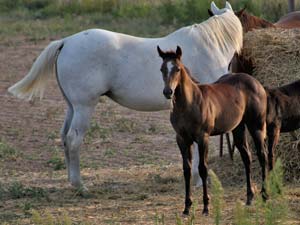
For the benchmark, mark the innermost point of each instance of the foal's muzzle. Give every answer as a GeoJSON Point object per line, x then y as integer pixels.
{"type": "Point", "coordinates": [168, 92]}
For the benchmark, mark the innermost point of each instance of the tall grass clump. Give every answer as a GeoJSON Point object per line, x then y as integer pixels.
{"type": "Point", "coordinates": [217, 197]}
{"type": "Point", "coordinates": [47, 218]}
{"type": "Point", "coordinates": [8, 152]}
{"type": "Point", "coordinates": [271, 212]}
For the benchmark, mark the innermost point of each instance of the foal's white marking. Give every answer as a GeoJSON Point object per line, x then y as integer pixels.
{"type": "Point", "coordinates": [169, 67]}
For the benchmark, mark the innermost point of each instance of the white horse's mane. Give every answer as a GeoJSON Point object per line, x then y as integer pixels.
{"type": "Point", "coordinates": [224, 31]}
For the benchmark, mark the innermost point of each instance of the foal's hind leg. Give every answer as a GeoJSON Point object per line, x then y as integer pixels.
{"type": "Point", "coordinates": [258, 131]}
{"type": "Point", "coordinates": [64, 132]}
{"type": "Point", "coordinates": [240, 141]}
{"type": "Point", "coordinates": [273, 137]}
{"type": "Point", "coordinates": [74, 138]}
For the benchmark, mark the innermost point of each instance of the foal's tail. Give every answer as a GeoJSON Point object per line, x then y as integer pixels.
{"type": "Point", "coordinates": [34, 83]}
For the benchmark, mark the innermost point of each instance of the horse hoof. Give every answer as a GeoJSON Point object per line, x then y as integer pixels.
{"type": "Point", "coordinates": [248, 202]}
{"type": "Point", "coordinates": [186, 212]}
{"type": "Point", "coordinates": [205, 212]}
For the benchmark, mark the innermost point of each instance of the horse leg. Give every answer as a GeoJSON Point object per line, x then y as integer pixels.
{"type": "Point", "coordinates": [240, 141]}
{"type": "Point", "coordinates": [186, 153]}
{"type": "Point", "coordinates": [74, 138]}
{"type": "Point", "coordinates": [273, 137]}
{"type": "Point", "coordinates": [63, 133]}
{"type": "Point", "coordinates": [221, 146]}
{"type": "Point", "coordinates": [230, 147]}
{"type": "Point", "coordinates": [203, 153]}
{"type": "Point", "coordinates": [258, 135]}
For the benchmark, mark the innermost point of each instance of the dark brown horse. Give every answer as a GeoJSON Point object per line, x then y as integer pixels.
{"type": "Point", "coordinates": [200, 111]}
{"type": "Point", "coordinates": [283, 114]}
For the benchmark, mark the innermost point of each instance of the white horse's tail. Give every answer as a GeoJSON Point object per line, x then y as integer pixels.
{"type": "Point", "coordinates": [34, 83]}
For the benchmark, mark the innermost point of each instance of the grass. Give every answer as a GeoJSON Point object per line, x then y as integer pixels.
{"type": "Point", "coordinates": [56, 161]}
{"type": "Point", "coordinates": [7, 152]}
{"type": "Point", "coordinates": [43, 19]}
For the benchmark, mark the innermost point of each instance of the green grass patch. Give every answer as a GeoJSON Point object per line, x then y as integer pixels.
{"type": "Point", "coordinates": [7, 152]}
{"type": "Point", "coordinates": [56, 161]}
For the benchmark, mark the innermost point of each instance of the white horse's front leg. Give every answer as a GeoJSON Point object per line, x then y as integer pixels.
{"type": "Point", "coordinates": [197, 181]}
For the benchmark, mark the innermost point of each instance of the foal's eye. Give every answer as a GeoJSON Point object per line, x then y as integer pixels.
{"type": "Point", "coordinates": [177, 69]}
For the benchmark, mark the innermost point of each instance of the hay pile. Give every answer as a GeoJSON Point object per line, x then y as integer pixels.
{"type": "Point", "coordinates": [275, 54]}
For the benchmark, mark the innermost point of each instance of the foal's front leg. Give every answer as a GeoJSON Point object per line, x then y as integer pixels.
{"type": "Point", "coordinates": [203, 153]}
{"type": "Point", "coordinates": [186, 153]}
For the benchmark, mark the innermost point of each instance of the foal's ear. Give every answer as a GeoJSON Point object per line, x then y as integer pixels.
{"type": "Point", "coordinates": [160, 52]}
{"type": "Point", "coordinates": [178, 52]}
{"type": "Point", "coordinates": [240, 12]}
{"type": "Point", "coordinates": [210, 13]}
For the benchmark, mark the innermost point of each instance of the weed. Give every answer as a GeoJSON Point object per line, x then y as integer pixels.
{"type": "Point", "coordinates": [52, 135]}
{"type": "Point", "coordinates": [27, 206]}
{"type": "Point", "coordinates": [16, 190]}
{"type": "Point", "coordinates": [56, 161]}
{"type": "Point", "coordinates": [2, 191]}
{"type": "Point", "coordinates": [8, 152]}
{"type": "Point", "coordinates": [159, 220]}
{"type": "Point", "coordinates": [126, 125]}
{"type": "Point", "coordinates": [271, 212]}
{"type": "Point", "coordinates": [96, 131]}
{"type": "Point", "coordinates": [47, 218]}
{"type": "Point", "coordinates": [110, 152]}
{"type": "Point", "coordinates": [217, 196]}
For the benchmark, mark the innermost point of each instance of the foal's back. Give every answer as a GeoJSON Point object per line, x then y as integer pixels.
{"type": "Point", "coordinates": [242, 82]}
{"type": "Point", "coordinates": [234, 98]}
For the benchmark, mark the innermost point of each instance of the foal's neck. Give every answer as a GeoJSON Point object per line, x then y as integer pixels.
{"type": "Point", "coordinates": [185, 91]}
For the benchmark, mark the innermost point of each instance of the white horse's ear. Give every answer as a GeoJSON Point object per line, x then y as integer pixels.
{"type": "Point", "coordinates": [214, 8]}
{"type": "Point", "coordinates": [228, 6]}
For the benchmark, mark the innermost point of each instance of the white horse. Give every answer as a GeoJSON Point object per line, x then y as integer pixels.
{"type": "Point", "coordinates": [98, 62]}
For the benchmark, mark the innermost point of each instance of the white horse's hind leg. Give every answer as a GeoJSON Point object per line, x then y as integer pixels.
{"type": "Point", "coordinates": [64, 132]}
{"type": "Point", "coordinates": [74, 138]}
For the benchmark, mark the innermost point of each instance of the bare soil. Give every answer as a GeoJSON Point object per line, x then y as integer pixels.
{"type": "Point", "coordinates": [129, 159]}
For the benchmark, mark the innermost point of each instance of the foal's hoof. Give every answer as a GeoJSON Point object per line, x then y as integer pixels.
{"type": "Point", "coordinates": [249, 199]}
{"type": "Point", "coordinates": [186, 212]}
{"type": "Point", "coordinates": [205, 211]}
{"type": "Point", "coordinates": [188, 204]}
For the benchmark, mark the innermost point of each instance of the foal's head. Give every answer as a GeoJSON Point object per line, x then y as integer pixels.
{"type": "Point", "coordinates": [171, 69]}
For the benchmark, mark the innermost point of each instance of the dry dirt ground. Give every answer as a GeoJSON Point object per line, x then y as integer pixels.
{"type": "Point", "coordinates": [129, 160]}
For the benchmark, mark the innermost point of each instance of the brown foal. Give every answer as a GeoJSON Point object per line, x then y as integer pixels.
{"type": "Point", "coordinates": [199, 111]}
